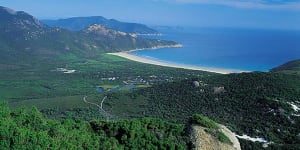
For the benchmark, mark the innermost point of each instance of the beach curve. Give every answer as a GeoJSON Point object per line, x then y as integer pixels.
{"type": "Point", "coordinates": [136, 58]}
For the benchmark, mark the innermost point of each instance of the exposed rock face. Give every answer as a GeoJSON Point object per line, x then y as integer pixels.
{"type": "Point", "coordinates": [114, 39]}
{"type": "Point", "coordinates": [18, 19]}
{"type": "Point", "coordinates": [103, 30]}
{"type": "Point", "coordinates": [231, 136]}
{"type": "Point", "coordinates": [196, 84]}
{"type": "Point", "coordinates": [205, 141]}
{"type": "Point", "coordinates": [218, 90]}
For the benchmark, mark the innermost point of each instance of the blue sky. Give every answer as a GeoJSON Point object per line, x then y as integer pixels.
{"type": "Point", "coordinates": [279, 14]}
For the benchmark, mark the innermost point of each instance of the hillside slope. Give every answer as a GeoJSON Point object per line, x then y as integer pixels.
{"type": "Point", "coordinates": [290, 67]}
{"type": "Point", "coordinates": [259, 105]}
{"type": "Point", "coordinates": [28, 129]}
{"type": "Point", "coordinates": [22, 33]}
{"type": "Point", "coordinates": [22, 36]}
{"type": "Point", "coordinates": [112, 40]}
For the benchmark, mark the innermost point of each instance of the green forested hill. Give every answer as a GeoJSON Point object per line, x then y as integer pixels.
{"type": "Point", "coordinates": [256, 104]}
{"type": "Point", "coordinates": [112, 40]}
{"type": "Point", "coordinates": [28, 129]}
{"type": "Point", "coordinates": [289, 67]}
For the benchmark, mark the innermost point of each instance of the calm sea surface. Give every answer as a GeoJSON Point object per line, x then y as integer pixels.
{"type": "Point", "coordinates": [241, 49]}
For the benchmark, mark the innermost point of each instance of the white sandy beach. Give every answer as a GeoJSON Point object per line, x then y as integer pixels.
{"type": "Point", "coordinates": [167, 64]}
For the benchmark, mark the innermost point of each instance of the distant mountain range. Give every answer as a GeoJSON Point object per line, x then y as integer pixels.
{"type": "Point", "coordinates": [21, 33]}
{"type": "Point", "coordinates": [80, 23]}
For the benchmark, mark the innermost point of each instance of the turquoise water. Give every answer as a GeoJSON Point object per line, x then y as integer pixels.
{"type": "Point", "coordinates": [239, 49]}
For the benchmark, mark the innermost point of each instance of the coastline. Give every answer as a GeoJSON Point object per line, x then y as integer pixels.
{"type": "Point", "coordinates": [154, 48]}
{"type": "Point", "coordinates": [174, 65]}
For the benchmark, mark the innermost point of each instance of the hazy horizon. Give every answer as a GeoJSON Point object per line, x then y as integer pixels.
{"type": "Point", "coordinates": [270, 14]}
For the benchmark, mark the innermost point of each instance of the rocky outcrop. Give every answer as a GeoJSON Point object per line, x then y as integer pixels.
{"type": "Point", "coordinates": [202, 140]}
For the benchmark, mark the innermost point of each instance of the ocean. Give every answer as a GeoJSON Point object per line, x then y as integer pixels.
{"type": "Point", "coordinates": [237, 49]}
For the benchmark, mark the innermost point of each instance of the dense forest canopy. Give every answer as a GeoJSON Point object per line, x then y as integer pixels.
{"type": "Point", "coordinates": [28, 129]}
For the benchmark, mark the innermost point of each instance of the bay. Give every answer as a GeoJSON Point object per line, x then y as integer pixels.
{"type": "Point", "coordinates": [226, 48]}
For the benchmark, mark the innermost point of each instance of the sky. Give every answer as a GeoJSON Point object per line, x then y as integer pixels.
{"type": "Point", "coordinates": [273, 14]}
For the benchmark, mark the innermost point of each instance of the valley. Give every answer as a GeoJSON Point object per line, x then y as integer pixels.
{"type": "Point", "coordinates": [161, 92]}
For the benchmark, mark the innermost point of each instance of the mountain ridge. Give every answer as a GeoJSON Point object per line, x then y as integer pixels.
{"type": "Point", "coordinates": [23, 35]}
{"type": "Point", "coordinates": [80, 23]}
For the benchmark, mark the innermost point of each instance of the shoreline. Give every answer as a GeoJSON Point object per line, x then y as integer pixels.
{"type": "Point", "coordinates": [152, 48]}
{"type": "Point", "coordinates": [169, 64]}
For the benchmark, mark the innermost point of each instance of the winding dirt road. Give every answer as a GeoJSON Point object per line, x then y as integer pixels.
{"type": "Point", "coordinates": [100, 107]}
